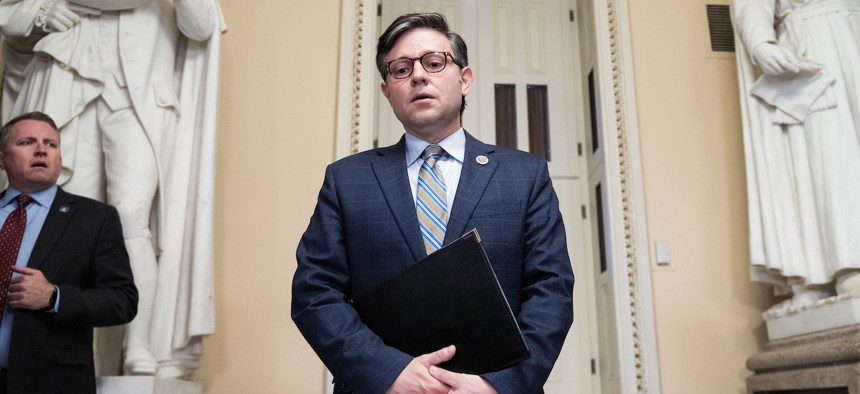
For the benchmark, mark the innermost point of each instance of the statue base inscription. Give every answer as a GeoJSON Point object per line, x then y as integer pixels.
{"type": "Point", "coordinates": [820, 362]}
{"type": "Point", "coordinates": [145, 385]}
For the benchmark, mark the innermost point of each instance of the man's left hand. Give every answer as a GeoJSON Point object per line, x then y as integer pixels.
{"type": "Point", "coordinates": [29, 290]}
{"type": "Point", "coordinates": [462, 383]}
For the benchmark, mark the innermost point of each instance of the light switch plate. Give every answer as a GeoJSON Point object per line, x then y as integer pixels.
{"type": "Point", "coordinates": [661, 249]}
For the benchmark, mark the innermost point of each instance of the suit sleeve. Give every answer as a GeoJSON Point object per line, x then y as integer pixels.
{"type": "Point", "coordinates": [321, 310]}
{"type": "Point", "coordinates": [110, 296]}
{"type": "Point", "coordinates": [546, 309]}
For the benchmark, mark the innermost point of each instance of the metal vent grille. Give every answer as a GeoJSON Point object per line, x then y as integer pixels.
{"type": "Point", "coordinates": [720, 28]}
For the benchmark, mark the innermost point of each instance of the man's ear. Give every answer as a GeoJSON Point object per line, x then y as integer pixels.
{"type": "Point", "coordinates": [383, 87]}
{"type": "Point", "coordinates": [466, 78]}
{"type": "Point", "coordinates": [2, 161]}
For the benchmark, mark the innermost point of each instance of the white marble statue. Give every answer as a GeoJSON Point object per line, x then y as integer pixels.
{"type": "Point", "coordinates": [16, 53]}
{"type": "Point", "coordinates": [799, 71]}
{"type": "Point", "coordinates": [133, 86]}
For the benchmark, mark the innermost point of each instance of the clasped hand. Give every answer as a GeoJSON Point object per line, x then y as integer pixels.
{"type": "Point", "coordinates": [423, 375]}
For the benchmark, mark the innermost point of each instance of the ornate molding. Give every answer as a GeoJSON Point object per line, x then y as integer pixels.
{"type": "Point", "coordinates": [625, 183]}
{"type": "Point", "coordinates": [355, 113]}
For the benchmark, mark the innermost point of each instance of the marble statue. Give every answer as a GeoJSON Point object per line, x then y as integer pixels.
{"type": "Point", "coordinates": [16, 53]}
{"type": "Point", "coordinates": [799, 73]}
{"type": "Point", "coordinates": [133, 86]}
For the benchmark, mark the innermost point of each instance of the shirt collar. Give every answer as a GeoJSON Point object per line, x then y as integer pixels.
{"type": "Point", "coordinates": [454, 145]}
{"type": "Point", "coordinates": [43, 197]}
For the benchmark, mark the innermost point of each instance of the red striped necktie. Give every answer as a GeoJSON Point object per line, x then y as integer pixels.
{"type": "Point", "coordinates": [10, 242]}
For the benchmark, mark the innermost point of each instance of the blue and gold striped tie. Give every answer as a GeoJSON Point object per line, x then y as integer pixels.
{"type": "Point", "coordinates": [431, 202]}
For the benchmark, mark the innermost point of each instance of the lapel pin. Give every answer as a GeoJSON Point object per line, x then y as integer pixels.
{"type": "Point", "coordinates": [482, 160]}
{"type": "Point", "coordinates": [64, 208]}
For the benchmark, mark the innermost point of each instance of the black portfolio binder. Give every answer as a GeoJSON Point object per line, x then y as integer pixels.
{"type": "Point", "coordinates": [452, 297]}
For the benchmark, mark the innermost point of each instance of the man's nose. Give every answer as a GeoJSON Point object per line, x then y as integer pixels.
{"type": "Point", "coordinates": [419, 74]}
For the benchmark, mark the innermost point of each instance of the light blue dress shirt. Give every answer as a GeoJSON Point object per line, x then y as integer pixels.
{"type": "Point", "coordinates": [37, 212]}
{"type": "Point", "coordinates": [450, 165]}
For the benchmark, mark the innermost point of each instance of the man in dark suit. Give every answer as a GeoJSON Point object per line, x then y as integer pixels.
{"type": "Point", "coordinates": [366, 227]}
{"type": "Point", "coordinates": [71, 272]}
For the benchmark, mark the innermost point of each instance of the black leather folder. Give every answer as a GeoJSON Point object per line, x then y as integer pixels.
{"type": "Point", "coordinates": [452, 297]}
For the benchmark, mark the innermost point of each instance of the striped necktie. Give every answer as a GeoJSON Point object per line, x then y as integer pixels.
{"type": "Point", "coordinates": [10, 241]}
{"type": "Point", "coordinates": [431, 200]}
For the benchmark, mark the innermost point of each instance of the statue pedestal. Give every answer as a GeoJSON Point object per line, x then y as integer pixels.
{"type": "Point", "coordinates": [145, 385]}
{"type": "Point", "coordinates": [814, 349]}
{"type": "Point", "coordinates": [834, 312]}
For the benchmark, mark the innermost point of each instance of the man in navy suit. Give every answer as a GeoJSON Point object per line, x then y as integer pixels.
{"type": "Point", "coordinates": [365, 227]}
{"type": "Point", "coordinates": [72, 271]}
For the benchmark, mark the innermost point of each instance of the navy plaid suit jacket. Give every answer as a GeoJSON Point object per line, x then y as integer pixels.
{"type": "Point", "coordinates": [365, 229]}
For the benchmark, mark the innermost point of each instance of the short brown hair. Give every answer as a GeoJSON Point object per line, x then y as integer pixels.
{"type": "Point", "coordinates": [35, 115]}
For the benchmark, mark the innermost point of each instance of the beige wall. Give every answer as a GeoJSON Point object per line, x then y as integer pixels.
{"type": "Point", "coordinates": [708, 312]}
{"type": "Point", "coordinates": [277, 122]}
{"type": "Point", "coordinates": [277, 127]}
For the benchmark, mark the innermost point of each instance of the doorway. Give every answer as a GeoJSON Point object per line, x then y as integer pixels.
{"type": "Point", "coordinates": [538, 62]}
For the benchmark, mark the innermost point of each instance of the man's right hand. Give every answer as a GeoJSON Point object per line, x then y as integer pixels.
{"type": "Point", "coordinates": [416, 377]}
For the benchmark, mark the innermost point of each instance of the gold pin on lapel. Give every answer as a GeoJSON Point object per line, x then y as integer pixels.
{"type": "Point", "coordinates": [482, 160]}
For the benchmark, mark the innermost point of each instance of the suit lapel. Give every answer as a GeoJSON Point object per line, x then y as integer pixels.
{"type": "Point", "coordinates": [474, 179]}
{"type": "Point", "coordinates": [390, 171]}
{"type": "Point", "coordinates": [55, 223]}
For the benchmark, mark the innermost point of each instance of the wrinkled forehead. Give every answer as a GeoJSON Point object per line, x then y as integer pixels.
{"type": "Point", "coordinates": [30, 128]}
{"type": "Point", "coordinates": [33, 127]}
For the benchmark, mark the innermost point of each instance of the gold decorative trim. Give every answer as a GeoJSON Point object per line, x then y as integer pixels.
{"type": "Point", "coordinates": [626, 179]}
{"type": "Point", "coordinates": [355, 117]}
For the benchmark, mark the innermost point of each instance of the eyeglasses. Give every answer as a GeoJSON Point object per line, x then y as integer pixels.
{"type": "Point", "coordinates": [432, 62]}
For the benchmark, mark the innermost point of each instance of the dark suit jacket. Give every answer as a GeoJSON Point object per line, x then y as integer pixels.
{"type": "Point", "coordinates": [365, 229]}
{"type": "Point", "coordinates": [81, 250]}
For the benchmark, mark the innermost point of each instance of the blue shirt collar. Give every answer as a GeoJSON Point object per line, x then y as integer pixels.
{"type": "Point", "coordinates": [454, 145]}
{"type": "Point", "coordinates": [43, 197]}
